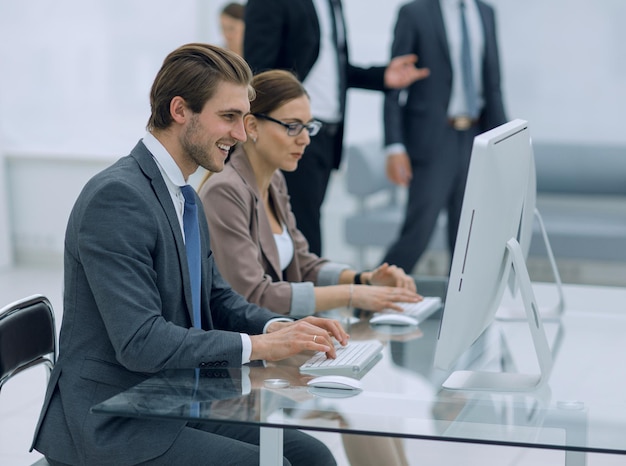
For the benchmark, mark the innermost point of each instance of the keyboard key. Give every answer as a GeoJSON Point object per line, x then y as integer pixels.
{"type": "Point", "coordinates": [351, 359]}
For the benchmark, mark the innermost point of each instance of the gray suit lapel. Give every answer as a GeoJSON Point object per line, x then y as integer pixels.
{"type": "Point", "coordinates": [151, 170]}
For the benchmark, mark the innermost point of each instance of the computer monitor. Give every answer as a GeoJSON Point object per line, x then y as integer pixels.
{"type": "Point", "coordinates": [486, 250]}
{"type": "Point", "coordinates": [530, 217]}
{"type": "Point", "coordinates": [526, 224]}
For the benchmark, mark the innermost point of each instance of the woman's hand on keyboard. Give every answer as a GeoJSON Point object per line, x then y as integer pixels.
{"type": "Point", "coordinates": [284, 339]}
{"type": "Point", "coordinates": [377, 298]}
{"type": "Point", "coordinates": [391, 275]}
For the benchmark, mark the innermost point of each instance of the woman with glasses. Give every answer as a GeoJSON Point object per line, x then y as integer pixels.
{"type": "Point", "coordinates": [257, 245]}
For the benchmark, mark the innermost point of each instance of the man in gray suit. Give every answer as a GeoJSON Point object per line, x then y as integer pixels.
{"type": "Point", "coordinates": [128, 297]}
{"type": "Point", "coordinates": [429, 129]}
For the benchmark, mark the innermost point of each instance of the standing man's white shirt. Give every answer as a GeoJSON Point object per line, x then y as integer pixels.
{"type": "Point", "coordinates": [322, 82]}
{"type": "Point", "coordinates": [452, 22]}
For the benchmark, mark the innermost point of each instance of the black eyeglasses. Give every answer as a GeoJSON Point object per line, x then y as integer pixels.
{"type": "Point", "coordinates": [293, 129]}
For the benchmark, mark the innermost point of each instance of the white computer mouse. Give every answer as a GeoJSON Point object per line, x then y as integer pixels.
{"type": "Point", "coordinates": [340, 382]}
{"type": "Point", "coordinates": [392, 318]}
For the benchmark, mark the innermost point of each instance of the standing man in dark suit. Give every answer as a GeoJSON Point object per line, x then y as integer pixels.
{"type": "Point", "coordinates": [308, 37]}
{"type": "Point", "coordinates": [131, 307]}
{"type": "Point", "coordinates": [430, 127]}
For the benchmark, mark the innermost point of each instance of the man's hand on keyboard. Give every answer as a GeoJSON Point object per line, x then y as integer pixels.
{"type": "Point", "coordinates": [284, 339]}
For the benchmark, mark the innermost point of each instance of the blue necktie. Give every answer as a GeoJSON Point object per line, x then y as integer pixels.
{"type": "Point", "coordinates": [469, 86]}
{"type": "Point", "coordinates": [192, 245]}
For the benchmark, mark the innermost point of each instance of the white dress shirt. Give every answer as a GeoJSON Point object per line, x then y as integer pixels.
{"type": "Point", "coordinates": [174, 179]}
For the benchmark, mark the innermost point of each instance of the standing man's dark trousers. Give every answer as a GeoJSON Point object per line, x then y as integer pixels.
{"type": "Point", "coordinates": [438, 184]}
{"type": "Point", "coordinates": [307, 184]}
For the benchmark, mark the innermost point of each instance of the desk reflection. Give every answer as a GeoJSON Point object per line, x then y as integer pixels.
{"type": "Point", "coordinates": [401, 397]}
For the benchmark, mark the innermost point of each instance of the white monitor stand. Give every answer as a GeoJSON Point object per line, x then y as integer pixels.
{"type": "Point", "coordinates": [511, 312]}
{"type": "Point", "coordinates": [510, 381]}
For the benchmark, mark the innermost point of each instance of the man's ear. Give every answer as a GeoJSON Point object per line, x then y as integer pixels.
{"type": "Point", "coordinates": [179, 109]}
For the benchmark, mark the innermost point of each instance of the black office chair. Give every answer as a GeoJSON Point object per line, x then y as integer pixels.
{"type": "Point", "coordinates": [27, 338]}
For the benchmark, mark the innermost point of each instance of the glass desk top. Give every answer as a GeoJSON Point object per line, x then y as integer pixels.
{"type": "Point", "coordinates": [582, 408]}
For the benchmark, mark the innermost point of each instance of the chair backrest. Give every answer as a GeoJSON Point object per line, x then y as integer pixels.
{"type": "Point", "coordinates": [365, 172]}
{"type": "Point", "coordinates": [27, 336]}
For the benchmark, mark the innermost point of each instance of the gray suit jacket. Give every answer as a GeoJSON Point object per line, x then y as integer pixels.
{"type": "Point", "coordinates": [247, 253]}
{"type": "Point", "coordinates": [419, 123]}
{"type": "Point", "coordinates": [127, 314]}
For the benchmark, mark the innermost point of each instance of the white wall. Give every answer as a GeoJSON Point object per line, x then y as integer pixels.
{"type": "Point", "coordinates": [75, 78]}
{"type": "Point", "coordinates": [5, 230]}
{"type": "Point", "coordinates": [76, 75]}
{"type": "Point", "coordinates": [46, 186]}
{"type": "Point", "coordinates": [74, 83]}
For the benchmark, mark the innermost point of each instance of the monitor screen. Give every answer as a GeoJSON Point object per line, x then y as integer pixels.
{"type": "Point", "coordinates": [491, 216]}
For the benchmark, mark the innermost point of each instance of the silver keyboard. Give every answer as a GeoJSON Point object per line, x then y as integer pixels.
{"type": "Point", "coordinates": [351, 359]}
{"type": "Point", "coordinates": [422, 310]}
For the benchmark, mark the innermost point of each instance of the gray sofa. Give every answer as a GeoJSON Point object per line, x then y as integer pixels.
{"type": "Point", "coordinates": [581, 196]}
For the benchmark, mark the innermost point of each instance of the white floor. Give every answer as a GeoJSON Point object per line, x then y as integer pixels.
{"type": "Point", "coordinates": [22, 397]}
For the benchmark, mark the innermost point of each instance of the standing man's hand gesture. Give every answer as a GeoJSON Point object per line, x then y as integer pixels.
{"type": "Point", "coordinates": [402, 72]}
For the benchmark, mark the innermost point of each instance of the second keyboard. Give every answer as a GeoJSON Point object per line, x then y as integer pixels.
{"type": "Point", "coordinates": [422, 310]}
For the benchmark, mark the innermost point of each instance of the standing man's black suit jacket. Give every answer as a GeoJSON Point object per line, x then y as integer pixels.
{"type": "Point", "coordinates": [285, 34]}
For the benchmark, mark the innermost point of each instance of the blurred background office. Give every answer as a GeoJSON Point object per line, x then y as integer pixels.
{"type": "Point", "coordinates": [75, 79]}
{"type": "Point", "coordinates": [74, 84]}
